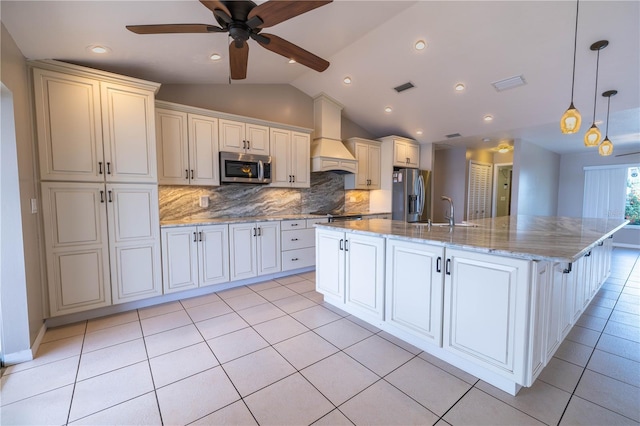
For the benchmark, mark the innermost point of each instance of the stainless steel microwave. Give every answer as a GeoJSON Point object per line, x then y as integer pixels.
{"type": "Point", "coordinates": [244, 168]}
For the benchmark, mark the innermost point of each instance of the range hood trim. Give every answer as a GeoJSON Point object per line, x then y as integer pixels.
{"type": "Point", "coordinates": [328, 152]}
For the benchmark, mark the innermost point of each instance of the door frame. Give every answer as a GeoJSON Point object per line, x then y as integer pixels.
{"type": "Point", "coordinates": [494, 198]}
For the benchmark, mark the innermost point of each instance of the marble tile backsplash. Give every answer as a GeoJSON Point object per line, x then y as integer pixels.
{"type": "Point", "coordinates": [237, 200]}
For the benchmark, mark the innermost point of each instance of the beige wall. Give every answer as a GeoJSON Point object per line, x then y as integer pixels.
{"type": "Point", "coordinates": [535, 180]}
{"type": "Point", "coordinates": [449, 169]}
{"type": "Point", "coordinates": [13, 73]}
{"type": "Point", "coordinates": [281, 103]}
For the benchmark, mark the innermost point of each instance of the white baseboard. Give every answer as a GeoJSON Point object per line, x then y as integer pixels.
{"type": "Point", "coordinates": [26, 354]}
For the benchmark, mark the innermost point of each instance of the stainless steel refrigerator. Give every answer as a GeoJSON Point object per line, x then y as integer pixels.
{"type": "Point", "coordinates": [411, 195]}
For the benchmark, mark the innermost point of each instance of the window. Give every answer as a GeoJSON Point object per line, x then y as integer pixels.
{"type": "Point", "coordinates": [632, 204]}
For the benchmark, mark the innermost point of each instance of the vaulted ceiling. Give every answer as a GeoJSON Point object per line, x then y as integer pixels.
{"type": "Point", "coordinates": [471, 42]}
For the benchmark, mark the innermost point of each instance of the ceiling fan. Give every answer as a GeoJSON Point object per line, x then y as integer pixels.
{"type": "Point", "coordinates": [243, 19]}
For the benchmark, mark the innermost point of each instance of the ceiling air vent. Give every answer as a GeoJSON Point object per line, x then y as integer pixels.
{"type": "Point", "coordinates": [408, 85]}
{"type": "Point", "coordinates": [453, 135]}
{"type": "Point", "coordinates": [509, 83]}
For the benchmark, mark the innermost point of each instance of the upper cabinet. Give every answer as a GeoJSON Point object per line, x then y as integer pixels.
{"type": "Point", "coordinates": [93, 126]}
{"type": "Point", "coordinates": [236, 136]}
{"type": "Point", "coordinates": [290, 158]}
{"type": "Point", "coordinates": [406, 152]}
{"type": "Point", "coordinates": [187, 148]}
{"type": "Point", "coordinates": [367, 153]}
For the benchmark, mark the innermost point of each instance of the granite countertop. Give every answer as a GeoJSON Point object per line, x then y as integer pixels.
{"type": "Point", "coordinates": [247, 219]}
{"type": "Point", "coordinates": [561, 239]}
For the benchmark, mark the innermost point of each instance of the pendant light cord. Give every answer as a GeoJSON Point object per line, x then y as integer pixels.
{"type": "Point", "coordinates": [575, 46]}
{"type": "Point", "coordinates": [606, 133]}
{"type": "Point", "coordinates": [595, 94]}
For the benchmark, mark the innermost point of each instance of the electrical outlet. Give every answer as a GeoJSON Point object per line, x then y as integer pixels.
{"type": "Point", "coordinates": [204, 201]}
{"type": "Point", "coordinates": [34, 206]}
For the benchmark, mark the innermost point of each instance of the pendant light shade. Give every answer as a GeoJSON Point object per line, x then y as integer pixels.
{"type": "Point", "coordinates": [606, 147]}
{"type": "Point", "coordinates": [571, 119]}
{"type": "Point", "coordinates": [593, 135]}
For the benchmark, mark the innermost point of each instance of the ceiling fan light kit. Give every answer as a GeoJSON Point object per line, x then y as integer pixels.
{"type": "Point", "coordinates": [571, 119]}
{"type": "Point", "coordinates": [606, 147]}
{"type": "Point", "coordinates": [593, 136]}
{"type": "Point", "coordinates": [244, 20]}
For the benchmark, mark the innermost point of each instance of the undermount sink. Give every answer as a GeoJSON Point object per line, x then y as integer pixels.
{"type": "Point", "coordinates": [441, 224]}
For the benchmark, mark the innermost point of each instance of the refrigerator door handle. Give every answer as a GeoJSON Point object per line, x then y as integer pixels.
{"type": "Point", "coordinates": [421, 195]}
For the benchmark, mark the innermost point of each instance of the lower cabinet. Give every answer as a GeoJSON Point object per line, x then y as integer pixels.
{"type": "Point", "coordinates": [486, 309]}
{"type": "Point", "coordinates": [298, 243]}
{"type": "Point", "coordinates": [414, 283]}
{"type": "Point", "coordinates": [194, 256]}
{"type": "Point", "coordinates": [254, 249]}
{"type": "Point", "coordinates": [102, 244]}
{"type": "Point", "coordinates": [355, 275]}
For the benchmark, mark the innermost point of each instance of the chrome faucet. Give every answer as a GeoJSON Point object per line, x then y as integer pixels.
{"type": "Point", "coordinates": [450, 218]}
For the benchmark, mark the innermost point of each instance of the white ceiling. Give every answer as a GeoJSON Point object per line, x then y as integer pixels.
{"type": "Point", "coordinates": [472, 42]}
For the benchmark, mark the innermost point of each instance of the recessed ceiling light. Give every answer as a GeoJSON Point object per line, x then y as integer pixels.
{"type": "Point", "coordinates": [488, 118]}
{"type": "Point", "coordinates": [486, 140]}
{"type": "Point", "coordinates": [292, 61]}
{"type": "Point", "coordinates": [216, 57]}
{"type": "Point", "coordinates": [388, 109]}
{"type": "Point", "coordinates": [347, 80]}
{"type": "Point", "coordinates": [98, 49]}
{"type": "Point", "coordinates": [420, 45]}
{"type": "Point", "coordinates": [418, 132]}
{"type": "Point", "coordinates": [459, 87]}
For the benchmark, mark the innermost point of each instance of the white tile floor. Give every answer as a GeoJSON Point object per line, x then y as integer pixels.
{"type": "Point", "coordinates": [274, 353]}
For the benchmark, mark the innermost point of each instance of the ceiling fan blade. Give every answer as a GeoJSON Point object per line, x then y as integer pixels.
{"type": "Point", "coordinates": [214, 5]}
{"type": "Point", "coordinates": [275, 11]}
{"type": "Point", "coordinates": [238, 60]}
{"type": "Point", "coordinates": [174, 28]}
{"type": "Point", "coordinates": [289, 50]}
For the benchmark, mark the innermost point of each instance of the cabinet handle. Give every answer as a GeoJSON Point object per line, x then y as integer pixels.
{"type": "Point", "coordinates": [248, 144]}
{"type": "Point", "coordinates": [439, 264]}
{"type": "Point", "coordinates": [294, 239]}
{"type": "Point", "coordinates": [341, 241]}
{"type": "Point", "coordinates": [244, 144]}
{"type": "Point", "coordinates": [294, 259]}
{"type": "Point", "coordinates": [102, 196]}
{"type": "Point", "coordinates": [601, 243]}
{"type": "Point", "coordinates": [289, 178]}
{"type": "Point", "coordinates": [294, 224]}
{"type": "Point", "coordinates": [191, 174]}
{"type": "Point", "coordinates": [100, 167]}
{"type": "Point", "coordinates": [447, 267]}
{"type": "Point", "coordinates": [186, 172]}
{"type": "Point", "coordinates": [588, 254]}
{"type": "Point", "coordinates": [195, 237]}
{"type": "Point", "coordinates": [110, 199]}
{"type": "Point", "coordinates": [294, 178]}
{"type": "Point", "coordinates": [259, 232]}
{"type": "Point", "coordinates": [108, 168]}
{"type": "Point", "coordinates": [200, 236]}
{"type": "Point", "coordinates": [346, 245]}
{"type": "Point", "coordinates": [254, 232]}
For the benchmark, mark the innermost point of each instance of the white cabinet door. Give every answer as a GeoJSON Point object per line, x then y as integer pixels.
{"type": "Point", "coordinates": [413, 152]}
{"type": "Point", "coordinates": [76, 245]}
{"type": "Point", "coordinates": [406, 153]}
{"type": "Point", "coordinates": [172, 147]}
{"type": "Point", "coordinates": [300, 160]}
{"type": "Point", "coordinates": [213, 254]}
{"type": "Point", "coordinates": [134, 241]}
{"type": "Point", "coordinates": [232, 136]}
{"type": "Point", "coordinates": [486, 311]}
{"type": "Point", "coordinates": [330, 264]}
{"type": "Point", "coordinates": [242, 251]}
{"type": "Point", "coordinates": [373, 168]}
{"type": "Point", "coordinates": [281, 174]}
{"type": "Point", "coordinates": [129, 134]}
{"type": "Point", "coordinates": [362, 155]}
{"type": "Point", "coordinates": [268, 247]}
{"type": "Point", "coordinates": [179, 258]}
{"type": "Point", "coordinates": [203, 150]}
{"type": "Point", "coordinates": [553, 316]}
{"type": "Point", "coordinates": [414, 289]}
{"type": "Point", "coordinates": [69, 127]}
{"type": "Point", "coordinates": [364, 282]}
{"type": "Point", "coordinates": [537, 339]}
{"type": "Point", "coordinates": [257, 139]}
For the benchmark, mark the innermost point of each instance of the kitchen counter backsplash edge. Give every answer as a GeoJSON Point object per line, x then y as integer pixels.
{"type": "Point", "coordinates": [247, 219]}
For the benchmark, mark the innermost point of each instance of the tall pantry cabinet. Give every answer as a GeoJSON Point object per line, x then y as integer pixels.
{"type": "Point", "coordinates": [97, 158]}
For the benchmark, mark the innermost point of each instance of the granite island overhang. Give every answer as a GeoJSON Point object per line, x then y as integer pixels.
{"type": "Point", "coordinates": [495, 299]}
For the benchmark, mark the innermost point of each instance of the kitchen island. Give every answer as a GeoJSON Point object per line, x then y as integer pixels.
{"type": "Point", "coordinates": [495, 299]}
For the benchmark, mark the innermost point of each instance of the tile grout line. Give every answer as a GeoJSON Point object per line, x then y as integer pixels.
{"type": "Point", "coordinates": [75, 381]}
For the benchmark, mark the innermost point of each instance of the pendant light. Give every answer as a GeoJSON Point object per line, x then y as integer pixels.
{"type": "Point", "coordinates": [571, 119]}
{"type": "Point", "coordinates": [593, 135]}
{"type": "Point", "coordinates": [606, 147]}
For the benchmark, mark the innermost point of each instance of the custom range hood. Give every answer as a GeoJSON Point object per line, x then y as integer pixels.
{"type": "Point", "coordinates": [328, 153]}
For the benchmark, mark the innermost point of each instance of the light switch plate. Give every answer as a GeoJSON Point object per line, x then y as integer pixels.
{"type": "Point", "coordinates": [204, 201]}
{"type": "Point", "coordinates": [34, 206]}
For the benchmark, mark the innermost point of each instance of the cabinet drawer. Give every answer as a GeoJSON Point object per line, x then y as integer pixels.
{"type": "Point", "coordinates": [302, 238]}
{"type": "Point", "coordinates": [292, 224]}
{"type": "Point", "coordinates": [301, 258]}
{"type": "Point", "coordinates": [311, 222]}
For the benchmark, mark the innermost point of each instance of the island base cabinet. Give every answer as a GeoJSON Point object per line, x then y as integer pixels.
{"type": "Point", "coordinates": [330, 264]}
{"type": "Point", "coordinates": [486, 309]}
{"type": "Point", "coordinates": [414, 289]}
